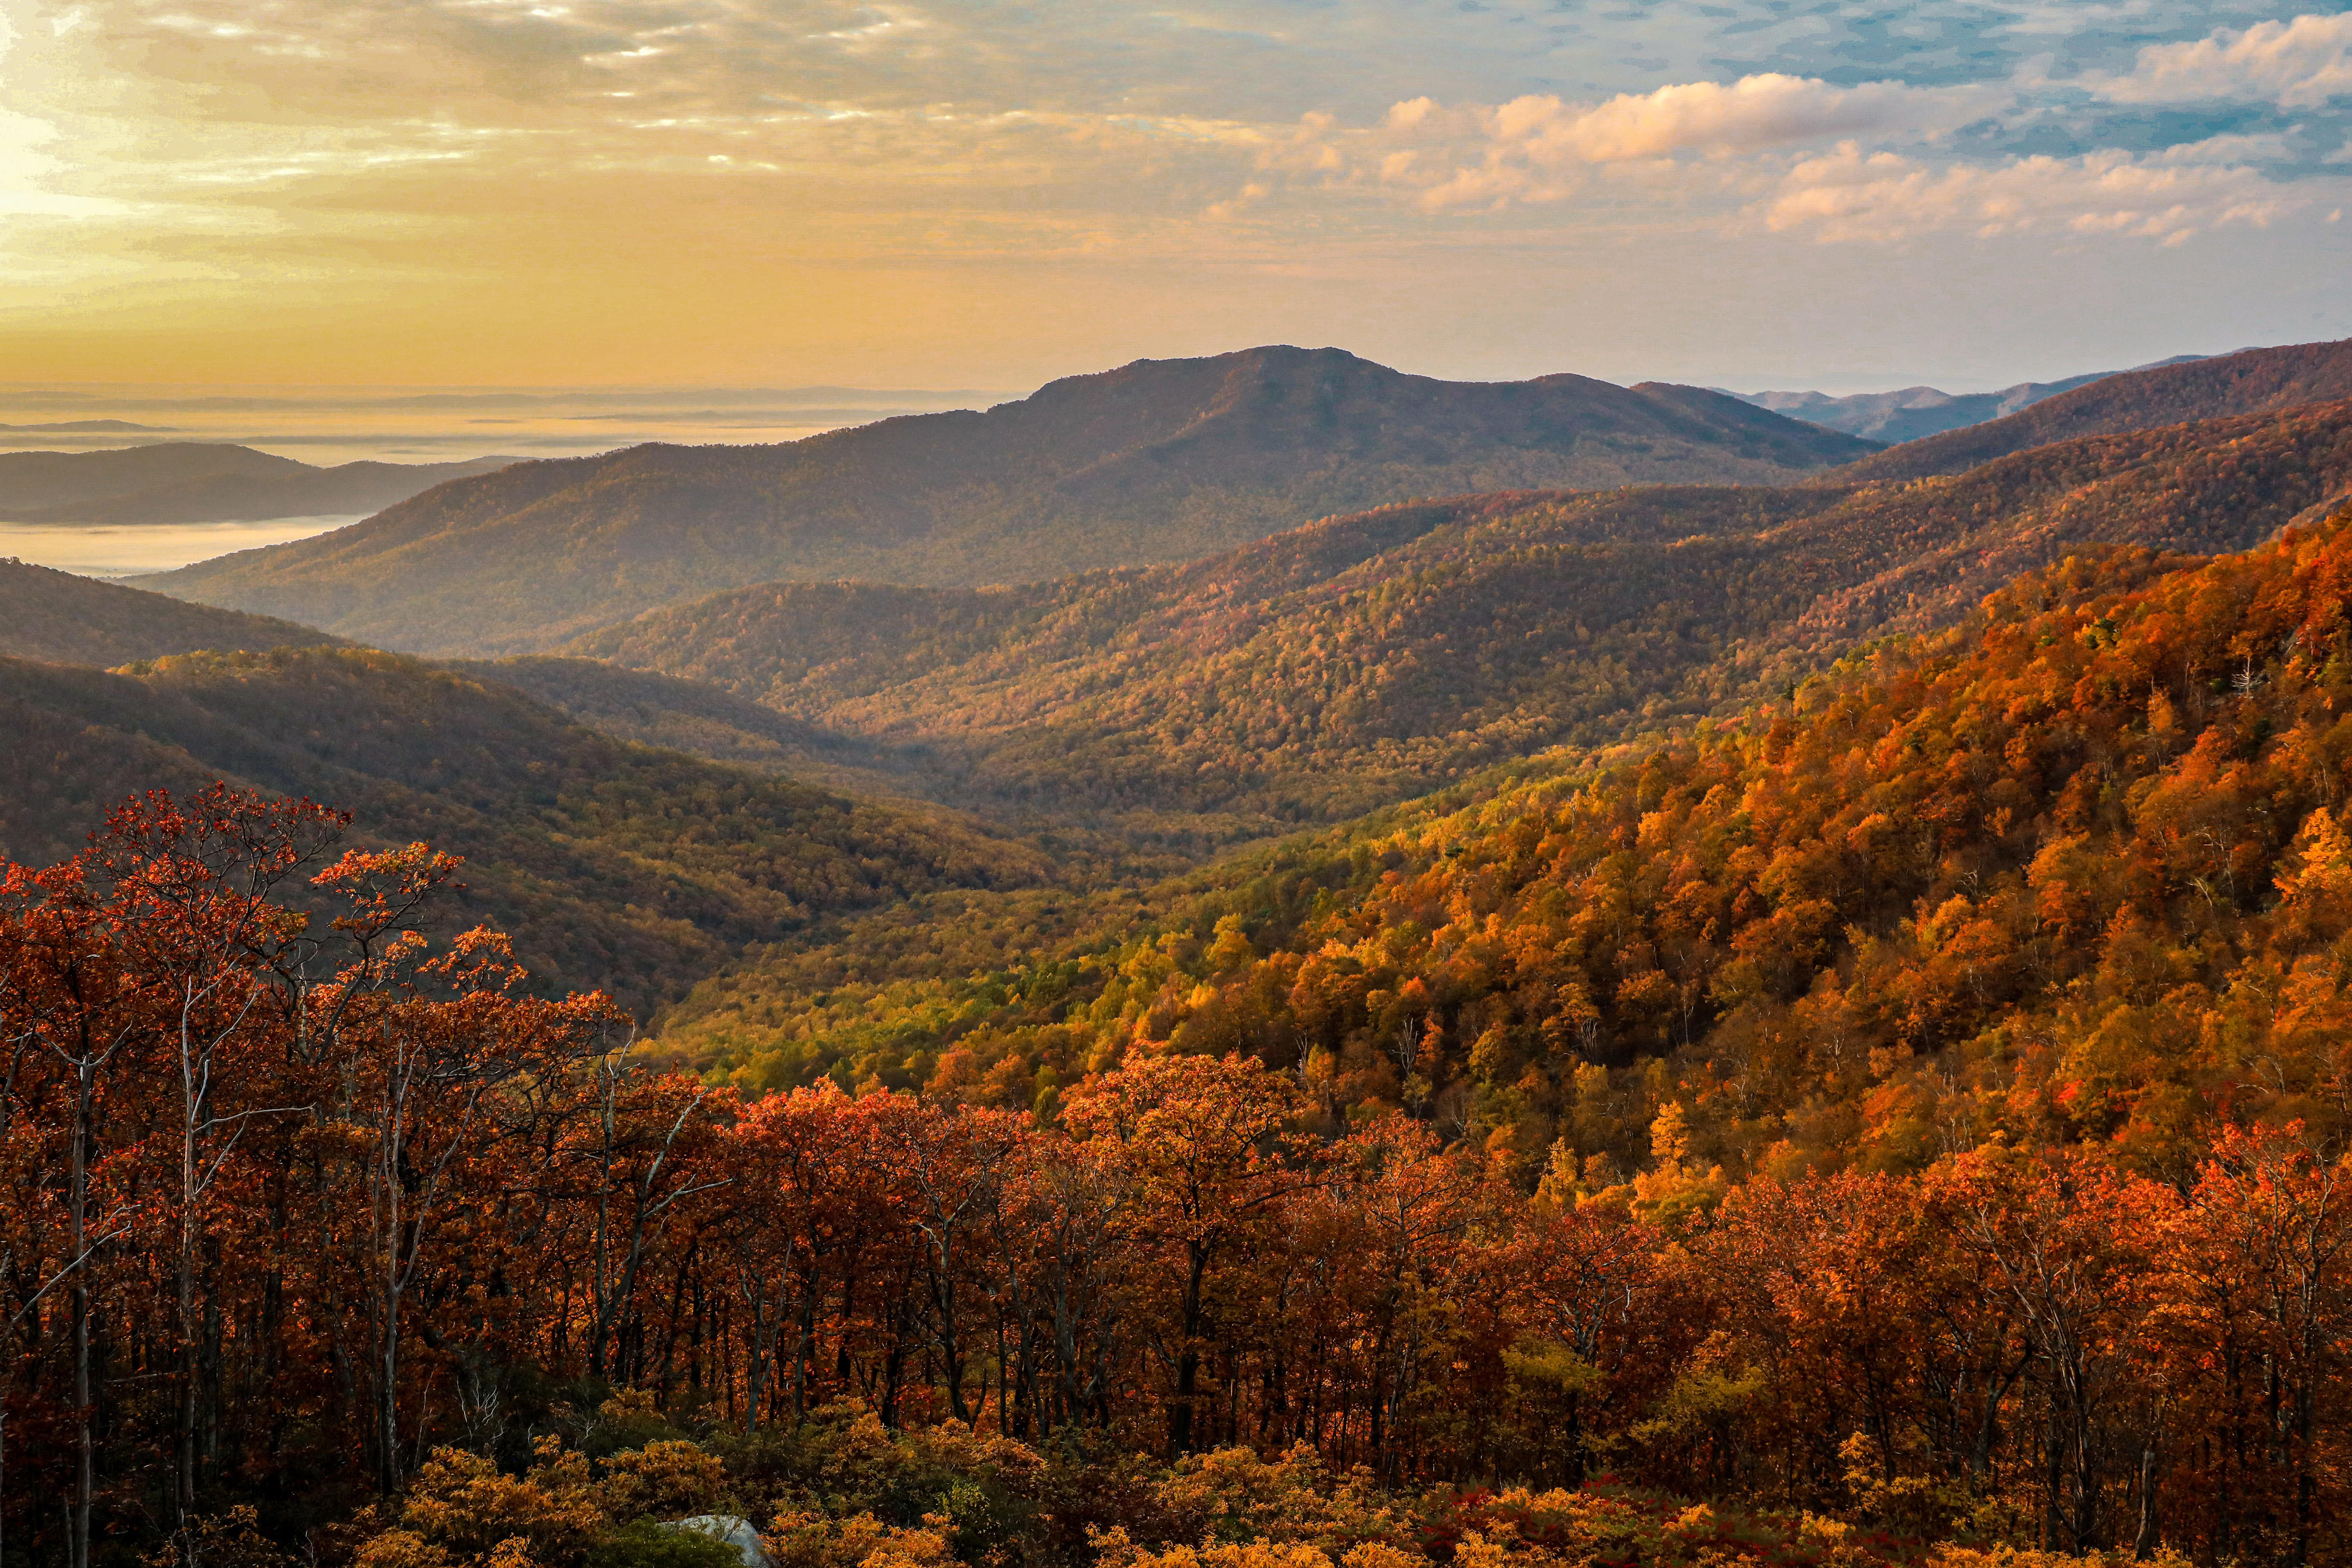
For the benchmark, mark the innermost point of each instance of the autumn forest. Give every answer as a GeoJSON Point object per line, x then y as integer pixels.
{"type": "Point", "coordinates": [1783, 1011]}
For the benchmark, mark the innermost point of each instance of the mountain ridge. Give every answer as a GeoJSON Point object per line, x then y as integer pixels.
{"type": "Point", "coordinates": [617, 866]}
{"type": "Point", "coordinates": [2001, 875]}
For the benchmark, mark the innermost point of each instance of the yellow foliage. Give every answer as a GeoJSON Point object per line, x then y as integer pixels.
{"type": "Point", "coordinates": [400, 1549]}
{"type": "Point", "coordinates": [798, 1539]}
{"type": "Point", "coordinates": [1117, 1552]}
{"type": "Point", "coordinates": [662, 1480]}
{"type": "Point", "coordinates": [463, 1508]}
{"type": "Point", "coordinates": [1950, 1556]}
{"type": "Point", "coordinates": [1233, 1495]}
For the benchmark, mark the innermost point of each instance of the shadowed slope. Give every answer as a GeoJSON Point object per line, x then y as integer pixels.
{"type": "Point", "coordinates": [613, 865]}
{"type": "Point", "coordinates": [65, 619]}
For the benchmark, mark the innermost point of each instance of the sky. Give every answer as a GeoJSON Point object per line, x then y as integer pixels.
{"type": "Point", "coordinates": [916, 193]}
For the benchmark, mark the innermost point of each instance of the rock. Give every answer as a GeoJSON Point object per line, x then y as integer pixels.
{"type": "Point", "coordinates": [735, 1531]}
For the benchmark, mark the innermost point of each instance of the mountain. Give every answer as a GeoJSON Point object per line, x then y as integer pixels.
{"type": "Point", "coordinates": [1916, 411]}
{"type": "Point", "coordinates": [1161, 460]}
{"type": "Point", "coordinates": [1323, 672]}
{"type": "Point", "coordinates": [63, 619]}
{"type": "Point", "coordinates": [192, 481]}
{"type": "Point", "coordinates": [613, 865]}
{"type": "Point", "coordinates": [2253, 380]}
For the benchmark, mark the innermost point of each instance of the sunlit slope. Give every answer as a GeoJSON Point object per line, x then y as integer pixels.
{"type": "Point", "coordinates": [1161, 460]}
{"type": "Point", "coordinates": [2079, 869]}
{"type": "Point", "coordinates": [614, 865]}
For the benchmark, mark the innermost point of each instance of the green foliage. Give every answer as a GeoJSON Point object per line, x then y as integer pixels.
{"type": "Point", "coordinates": [644, 1543]}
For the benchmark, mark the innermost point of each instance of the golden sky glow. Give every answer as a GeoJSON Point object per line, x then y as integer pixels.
{"type": "Point", "coordinates": [537, 192]}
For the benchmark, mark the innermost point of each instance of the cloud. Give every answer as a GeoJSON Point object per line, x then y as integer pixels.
{"type": "Point", "coordinates": [1755, 112]}
{"type": "Point", "coordinates": [1541, 148]}
{"type": "Point", "coordinates": [2299, 64]}
{"type": "Point", "coordinates": [1850, 195]}
{"type": "Point", "coordinates": [29, 166]}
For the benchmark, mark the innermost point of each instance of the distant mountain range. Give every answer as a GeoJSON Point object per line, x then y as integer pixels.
{"type": "Point", "coordinates": [2252, 381]}
{"type": "Point", "coordinates": [1161, 460]}
{"type": "Point", "coordinates": [1918, 411]}
{"type": "Point", "coordinates": [193, 481]}
{"type": "Point", "coordinates": [1140, 714]}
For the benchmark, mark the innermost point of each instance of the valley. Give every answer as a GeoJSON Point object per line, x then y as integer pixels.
{"type": "Point", "coordinates": [614, 867]}
{"type": "Point", "coordinates": [1326, 672]}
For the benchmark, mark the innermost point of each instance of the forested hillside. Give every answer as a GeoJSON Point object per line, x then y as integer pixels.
{"type": "Point", "coordinates": [612, 865]}
{"type": "Point", "coordinates": [1161, 460]}
{"type": "Point", "coordinates": [695, 716]}
{"type": "Point", "coordinates": [1792, 1025]}
{"type": "Point", "coordinates": [2063, 875]}
{"type": "Point", "coordinates": [1323, 672]}
{"type": "Point", "coordinates": [67, 619]}
{"type": "Point", "coordinates": [2253, 380]}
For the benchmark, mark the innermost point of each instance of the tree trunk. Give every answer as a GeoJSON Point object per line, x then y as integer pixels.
{"type": "Point", "coordinates": [86, 1457]}
{"type": "Point", "coordinates": [1188, 1357]}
